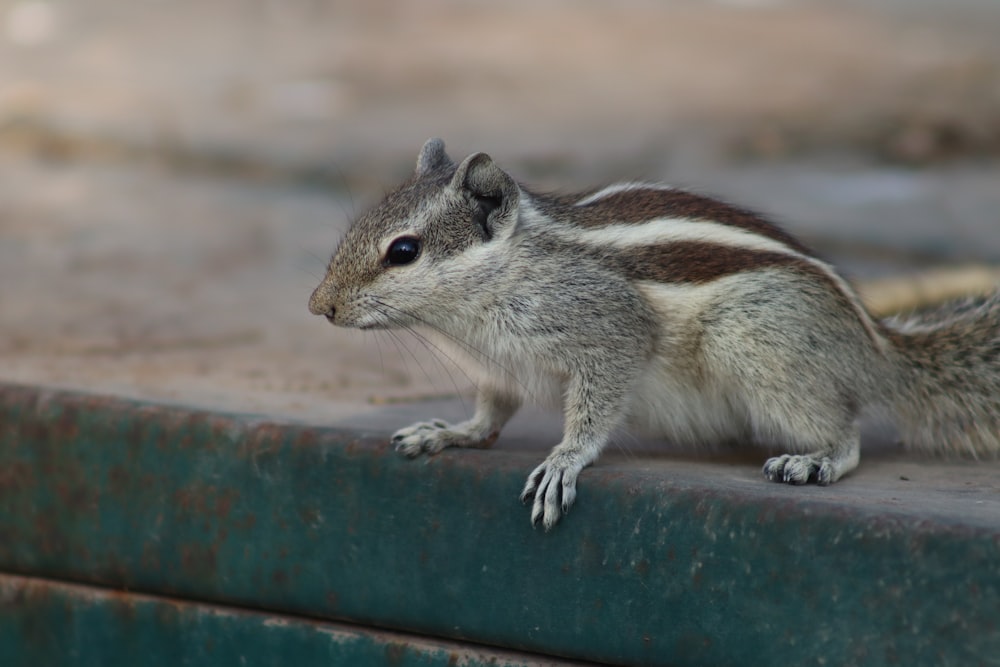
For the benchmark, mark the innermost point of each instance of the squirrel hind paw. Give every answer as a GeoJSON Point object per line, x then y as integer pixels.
{"type": "Point", "coordinates": [801, 469]}
{"type": "Point", "coordinates": [821, 468]}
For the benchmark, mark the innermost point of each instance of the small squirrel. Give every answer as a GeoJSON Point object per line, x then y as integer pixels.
{"type": "Point", "coordinates": [645, 305]}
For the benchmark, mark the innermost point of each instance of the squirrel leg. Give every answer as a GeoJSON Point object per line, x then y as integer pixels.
{"type": "Point", "coordinates": [824, 466]}
{"type": "Point", "coordinates": [493, 409]}
{"type": "Point", "coordinates": [590, 418]}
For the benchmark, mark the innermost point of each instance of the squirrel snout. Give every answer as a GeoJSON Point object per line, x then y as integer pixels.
{"type": "Point", "coordinates": [320, 306]}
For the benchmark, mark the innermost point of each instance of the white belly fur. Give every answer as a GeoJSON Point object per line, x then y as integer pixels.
{"type": "Point", "coordinates": [679, 396]}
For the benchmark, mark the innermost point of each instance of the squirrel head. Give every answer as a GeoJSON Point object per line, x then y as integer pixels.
{"type": "Point", "coordinates": [427, 244]}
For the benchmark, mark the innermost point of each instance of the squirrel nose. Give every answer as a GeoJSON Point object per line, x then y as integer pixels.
{"type": "Point", "coordinates": [327, 312]}
{"type": "Point", "coordinates": [318, 307]}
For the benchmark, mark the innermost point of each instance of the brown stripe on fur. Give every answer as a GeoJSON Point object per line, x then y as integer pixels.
{"type": "Point", "coordinates": [695, 262]}
{"type": "Point", "coordinates": [643, 204]}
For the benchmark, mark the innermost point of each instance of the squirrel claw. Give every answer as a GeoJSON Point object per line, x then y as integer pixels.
{"type": "Point", "coordinates": [552, 488]}
{"type": "Point", "coordinates": [799, 469]}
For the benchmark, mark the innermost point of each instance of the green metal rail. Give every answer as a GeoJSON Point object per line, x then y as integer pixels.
{"type": "Point", "coordinates": [51, 623]}
{"type": "Point", "coordinates": [192, 537]}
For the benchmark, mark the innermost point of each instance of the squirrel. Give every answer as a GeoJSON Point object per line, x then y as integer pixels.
{"type": "Point", "coordinates": [640, 304]}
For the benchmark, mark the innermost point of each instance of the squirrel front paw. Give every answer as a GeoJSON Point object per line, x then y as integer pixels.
{"type": "Point", "coordinates": [433, 436]}
{"type": "Point", "coordinates": [552, 486]}
{"type": "Point", "coordinates": [422, 438]}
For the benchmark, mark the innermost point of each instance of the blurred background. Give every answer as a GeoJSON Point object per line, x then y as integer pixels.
{"type": "Point", "coordinates": [174, 175]}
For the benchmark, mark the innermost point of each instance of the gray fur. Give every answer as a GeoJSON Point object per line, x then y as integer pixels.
{"type": "Point", "coordinates": [432, 158]}
{"type": "Point", "coordinates": [740, 337]}
{"type": "Point", "coordinates": [947, 389]}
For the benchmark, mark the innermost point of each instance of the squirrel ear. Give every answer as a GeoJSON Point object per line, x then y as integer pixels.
{"type": "Point", "coordinates": [491, 191]}
{"type": "Point", "coordinates": [432, 157]}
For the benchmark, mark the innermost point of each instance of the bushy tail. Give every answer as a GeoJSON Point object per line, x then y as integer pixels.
{"type": "Point", "coordinates": [947, 392]}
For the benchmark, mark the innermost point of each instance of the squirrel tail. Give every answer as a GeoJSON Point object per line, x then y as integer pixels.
{"type": "Point", "coordinates": [947, 395]}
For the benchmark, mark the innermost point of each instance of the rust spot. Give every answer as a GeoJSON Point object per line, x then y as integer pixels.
{"type": "Point", "coordinates": [36, 630]}
{"type": "Point", "coordinates": [642, 567]}
{"type": "Point", "coordinates": [262, 438]}
{"type": "Point", "coordinates": [307, 438]}
{"type": "Point", "coordinates": [168, 613]}
{"type": "Point", "coordinates": [332, 600]}
{"type": "Point", "coordinates": [310, 516]}
{"type": "Point", "coordinates": [118, 479]}
{"type": "Point", "coordinates": [67, 427]}
{"type": "Point", "coordinates": [31, 431]}
{"type": "Point", "coordinates": [188, 501]}
{"type": "Point", "coordinates": [77, 497]}
{"type": "Point", "coordinates": [49, 537]}
{"type": "Point", "coordinates": [224, 504]}
{"type": "Point", "coordinates": [205, 499]}
{"type": "Point", "coordinates": [15, 476]}
{"type": "Point", "coordinates": [123, 604]}
{"type": "Point", "coordinates": [150, 558]}
{"type": "Point", "coordinates": [279, 577]}
{"type": "Point", "coordinates": [199, 559]}
{"type": "Point", "coordinates": [395, 653]}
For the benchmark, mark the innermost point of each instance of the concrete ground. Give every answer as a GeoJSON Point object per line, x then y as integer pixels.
{"type": "Point", "coordinates": [173, 176]}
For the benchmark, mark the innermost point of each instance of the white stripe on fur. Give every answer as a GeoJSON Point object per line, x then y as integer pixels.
{"type": "Point", "coordinates": [660, 231]}
{"type": "Point", "coordinates": [620, 187]}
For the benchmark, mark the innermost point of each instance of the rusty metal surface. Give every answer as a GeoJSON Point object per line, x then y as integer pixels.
{"type": "Point", "coordinates": [48, 623]}
{"type": "Point", "coordinates": [660, 562]}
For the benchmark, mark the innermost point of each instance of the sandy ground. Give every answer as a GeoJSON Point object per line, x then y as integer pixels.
{"type": "Point", "coordinates": [174, 175]}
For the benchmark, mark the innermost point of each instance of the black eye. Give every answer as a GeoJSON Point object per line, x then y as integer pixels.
{"type": "Point", "coordinates": [402, 251]}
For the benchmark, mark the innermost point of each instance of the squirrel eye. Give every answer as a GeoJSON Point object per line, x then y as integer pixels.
{"type": "Point", "coordinates": [402, 251]}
